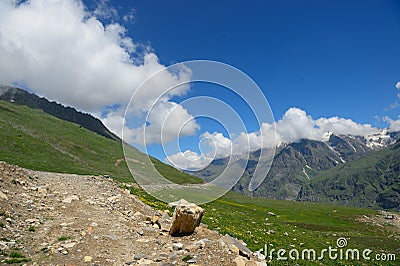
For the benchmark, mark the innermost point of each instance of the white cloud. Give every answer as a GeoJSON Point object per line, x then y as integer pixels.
{"type": "Point", "coordinates": [394, 125]}
{"type": "Point", "coordinates": [189, 160]}
{"type": "Point", "coordinates": [105, 10]}
{"type": "Point", "coordinates": [129, 16]}
{"type": "Point", "coordinates": [398, 85]}
{"type": "Point", "coordinates": [114, 121]}
{"type": "Point", "coordinates": [166, 121]}
{"type": "Point", "coordinates": [62, 51]}
{"type": "Point", "coordinates": [219, 145]}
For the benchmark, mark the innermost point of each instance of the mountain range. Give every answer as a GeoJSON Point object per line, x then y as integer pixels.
{"type": "Point", "coordinates": [342, 169]}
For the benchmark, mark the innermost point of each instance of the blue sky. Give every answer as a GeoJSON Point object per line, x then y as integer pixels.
{"type": "Point", "coordinates": [323, 65]}
{"type": "Point", "coordinates": [330, 58]}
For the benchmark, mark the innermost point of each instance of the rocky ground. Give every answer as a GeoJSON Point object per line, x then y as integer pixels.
{"type": "Point", "coordinates": [66, 219]}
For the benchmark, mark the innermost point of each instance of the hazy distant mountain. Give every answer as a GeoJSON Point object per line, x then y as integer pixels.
{"type": "Point", "coordinates": [19, 96]}
{"type": "Point", "coordinates": [297, 164]}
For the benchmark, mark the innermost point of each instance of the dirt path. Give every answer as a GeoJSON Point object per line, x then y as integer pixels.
{"type": "Point", "coordinates": [66, 219]}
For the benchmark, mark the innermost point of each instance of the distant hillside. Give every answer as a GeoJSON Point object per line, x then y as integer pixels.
{"type": "Point", "coordinates": [34, 139]}
{"type": "Point", "coordinates": [372, 181]}
{"type": "Point", "coordinates": [19, 96]}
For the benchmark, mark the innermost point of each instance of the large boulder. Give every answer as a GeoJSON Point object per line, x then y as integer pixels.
{"type": "Point", "coordinates": [187, 216]}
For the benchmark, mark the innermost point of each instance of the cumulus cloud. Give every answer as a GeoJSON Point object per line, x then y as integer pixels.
{"type": "Point", "coordinates": [398, 85]}
{"type": "Point", "coordinates": [394, 125]}
{"type": "Point", "coordinates": [62, 51]}
{"type": "Point", "coordinates": [189, 160]}
{"type": "Point", "coordinates": [220, 145]}
{"type": "Point", "coordinates": [166, 121]}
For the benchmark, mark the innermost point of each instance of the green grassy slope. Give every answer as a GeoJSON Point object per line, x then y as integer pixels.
{"type": "Point", "coordinates": [33, 139]}
{"type": "Point", "coordinates": [299, 225]}
{"type": "Point", "coordinates": [373, 181]}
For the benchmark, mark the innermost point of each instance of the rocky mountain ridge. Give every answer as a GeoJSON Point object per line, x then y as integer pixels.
{"type": "Point", "coordinates": [22, 97]}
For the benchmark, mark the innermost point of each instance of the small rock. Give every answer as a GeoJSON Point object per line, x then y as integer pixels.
{"type": "Point", "coordinates": [270, 231]}
{"type": "Point", "coordinates": [236, 246]}
{"type": "Point", "coordinates": [70, 199]}
{"type": "Point", "coordinates": [113, 198]}
{"type": "Point", "coordinates": [145, 262]}
{"type": "Point", "coordinates": [192, 248]}
{"type": "Point", "coordinates": [240, 261]}
{"type": "Point", "coordinates": [42, 190]}
{"type": "Point", "coordinates": [177, 246]}
{"type": "Point", "coordinates": [271, 213]}
{"type": "Point", "coordinates": [161, 257]}
{"type": "Point", "coordinates": [186, 218]}
{"type": "Point", "coordinates": [87, 259]}
{"type": "Point", "coordinates": [31, 221]}
{"type": "Point", "coordinates": [139, 256]}
{"type": "Point", "coordinates": [234, 249]}
{"type": "Point", "coordinates": [139, 231]}
{"type": "Point", "coordinates": [202, 242]}
{"type": "Point", "coordinates": [389, 216]}
{"type": "Point", "coordinates": [3, 196]}
{"type": "Point", "coordinates": [70, 245]}
{"type": "Point", "coordinates": [66, 224]}
{"type": "Point", "coordinates": [172, 256]}
{"type": "Point", "coordinates": [111, 237]}
{"type": "Point", "coordinates": [165, 227]}
{"type": "Point", "coordinates": [155, 219]}
{"type": "Point", "coordinates": [192, 260]}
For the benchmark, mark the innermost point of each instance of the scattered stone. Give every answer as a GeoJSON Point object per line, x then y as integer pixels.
{"type": "Point", "coordinates": [70, 199]}
{"type": "Point", "coordinates": [270, 231]}
{"type": "Point", "coordinates": [177, 246]}
{"type": "Point", "coordinates": [155, 219]}
{"type": "Point", "coordinates": [139, 256]}
{"type": "Point", "coordinates": [139, 231]}
{"type": "Point", "coordinates": [236, 245]}
{"type": "Point", "coordinates": [202, 242]}
{"type": "Point", "coordinates": [70, 245]}
{"type": "Point", "coordinates": [145, 262]}
{"type": "Point", "coordinates": [240, 261]}
{"type": "Point", "coordinates": [192, 248]}
{"type": "Point", "coordinates": [65, 224]}
{"type": "Point", "coordinates": [111, 237]}
{"type": "Point", "coordinates": [87, 259]}
{"type": "Point", "coordinates": [3, 196]}
{"type": "Point", "coordinates": [42, 189]}
{"type": "Point", "coordinates": [389, 216]}
{"type": "Point", "coordinates": [192, 260]}
{"type": "Point", "coordinates": [187, 216]}
{"type": "Point", "coordinates": [161, 257]}
{"type": "Point", "coordinates": [271, 213]}
{"type": "Point", "coordinates": [173, 256]}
